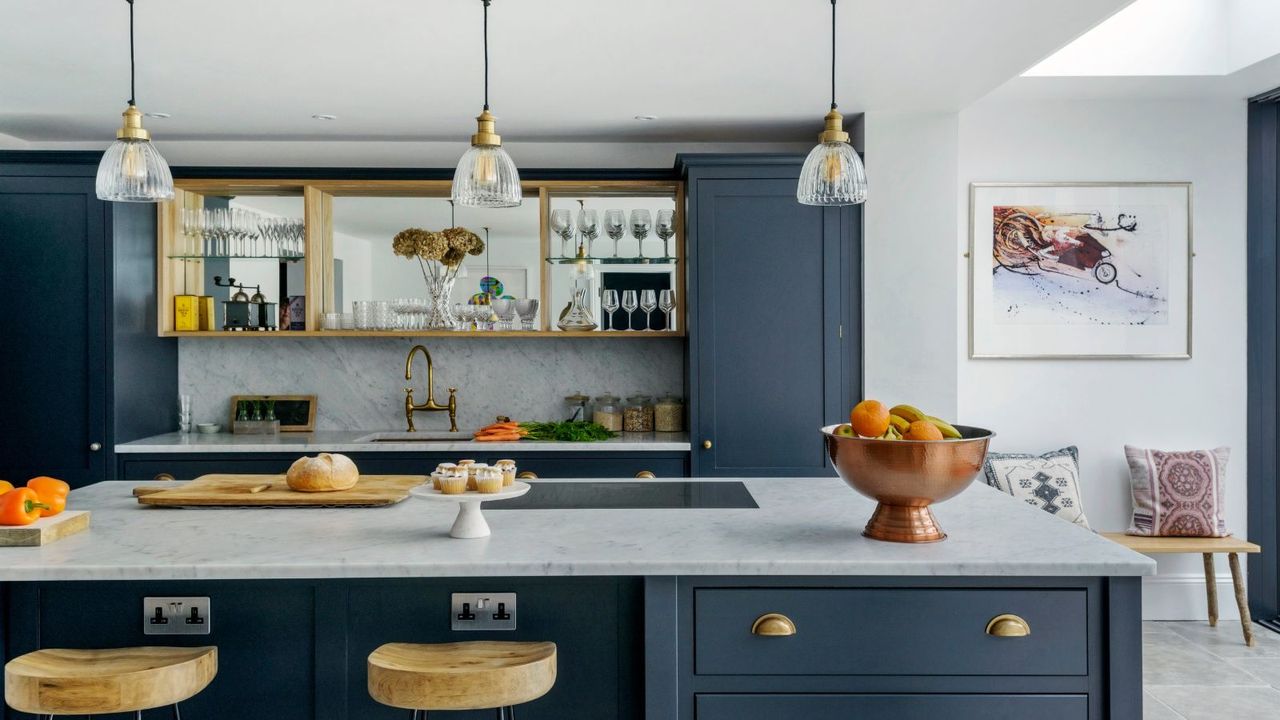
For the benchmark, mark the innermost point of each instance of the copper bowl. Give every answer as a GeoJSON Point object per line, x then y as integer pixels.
{"type": "Point", "coordinates": [906, 476]}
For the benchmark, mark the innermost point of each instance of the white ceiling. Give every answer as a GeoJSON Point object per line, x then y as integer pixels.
{"type": "Point", "coordinates": [563, 70]}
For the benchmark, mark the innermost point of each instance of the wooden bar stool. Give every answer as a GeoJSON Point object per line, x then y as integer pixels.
{"type": "Point", "coordinates": [461, 676]}
{"type": "Point", "coordinates": [97, 682]}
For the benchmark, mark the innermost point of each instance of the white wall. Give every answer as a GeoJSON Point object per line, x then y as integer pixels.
{"type": "Point", "coordinates": [1099, 406]}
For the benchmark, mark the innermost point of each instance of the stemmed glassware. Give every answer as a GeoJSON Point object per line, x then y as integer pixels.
{"type": "Point", "coordinates": [609, 303]}
{"type": "Point", "coordinates": [562, 225]}
{"type": "Point", "coordinates": [589, 226]}
{"type": "Point", "coordinates": [615, 226]}
{"type": "Point", "coordinates": [666, 229]}
{"type": "Point", "coordinates": [648, 303]}
{"type": "Point", "coordinates": [667, 303]}
{"type": "Point", "coordinates": [629, 304]}
{"type": "Point", "coordinates": [527, 309]}
{"type": "Point", "coordinates": [505, 309]}
{"type": "Point", "coordinates": [641, 221]}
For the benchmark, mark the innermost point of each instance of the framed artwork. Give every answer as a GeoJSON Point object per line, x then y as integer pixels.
{"type": "Point", "coordinates": [1080, 270]}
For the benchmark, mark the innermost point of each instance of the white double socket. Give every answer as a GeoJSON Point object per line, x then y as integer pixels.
{"type": "Point", "coordinates": [176, 616]}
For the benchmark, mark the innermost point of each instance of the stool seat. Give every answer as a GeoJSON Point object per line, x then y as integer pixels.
{"type": "Point", "coordinates": [461, 676]}
{"type": "Point", "coordinates": [98, 682]}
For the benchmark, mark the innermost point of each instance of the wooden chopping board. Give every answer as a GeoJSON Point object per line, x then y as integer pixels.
{"type": "Point", "coordinates": [273, 491]}
{"type": "Point", "coordinates": [45, 530]}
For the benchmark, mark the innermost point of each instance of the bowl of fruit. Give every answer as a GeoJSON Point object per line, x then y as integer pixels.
{"type": "Point", "coordinates": [906, 461]}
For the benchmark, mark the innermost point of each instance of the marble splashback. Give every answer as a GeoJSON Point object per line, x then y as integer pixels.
{"type": "Point", "coordinates": [360, 381]}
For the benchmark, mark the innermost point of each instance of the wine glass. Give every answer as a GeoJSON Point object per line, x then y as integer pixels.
{"type": "Point", "coordinates": [505, 308]}
{"type": "Point", "coordinates": [615, 226]}
{"type": "Point", "coordinates": [609, 303]}
{"type": "Point", "coordinates": [527, 309]}
{"type": "Point", "coordinates": [562, 225]}
{"type": "Point", "coordinates": [667, 303]}
{"type": "Point", "coordinates": [589, 226]}
{"type": "Point", "coordinates": [666, 229]}
{"type": "Point", "coordinates": [641, 221]}
{"type": "Point", "coordinates": [629, 304]}
{"type": "Point", "coordinates": [648, 303]}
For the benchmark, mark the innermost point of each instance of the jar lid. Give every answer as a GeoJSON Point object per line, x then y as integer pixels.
{"type": "Point", "coordinates": [638, 399]}
{"type": "Point", "coordinates": [606, 398]}
{"type": "Point", "coordinates": [578, 398]}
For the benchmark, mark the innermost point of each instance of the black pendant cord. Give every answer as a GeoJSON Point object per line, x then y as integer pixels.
{"type": "Point", "coordinates": [833, 54]}
{"type": "Point", "coordinates": [132, 72]}
{"type": "Point", "coordinates": [486, 53]}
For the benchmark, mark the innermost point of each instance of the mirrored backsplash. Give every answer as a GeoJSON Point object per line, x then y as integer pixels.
{"type": "Point", "coordinates": [360, 381]}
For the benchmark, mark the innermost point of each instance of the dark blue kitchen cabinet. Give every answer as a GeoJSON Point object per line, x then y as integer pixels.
{"type": "Point", "coordinates": [80, 328]}
{"type": "Point", "coordinates": [774, 319]}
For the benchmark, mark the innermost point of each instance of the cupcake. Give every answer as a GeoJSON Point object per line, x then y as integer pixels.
{"type": "Point", "coordinates": [454, 483]}
{"type": "Point", "coordinates": [464, 463]}
{"type": "Point", "coordinates": [435, 479]}
{"type": "Point", "coordinates": [472, 470]}
{"type": "Point", "coordinates": [489, 480]}
{"type": "Point", "coordinates": [445, 467]}
{"type": "Point", "coordinates": [508, 470]}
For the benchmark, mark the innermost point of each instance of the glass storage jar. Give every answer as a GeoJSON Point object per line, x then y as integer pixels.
{"type": "Point", "coordinates": [576, 406]}
{"type": "Point", "coordinates": [608, 412]}
{"type": "Point", "coordinates": [637, 414]}
{"type": "Point", "coordinates": [668, 414]}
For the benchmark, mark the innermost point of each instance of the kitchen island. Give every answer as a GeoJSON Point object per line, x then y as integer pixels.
{"type": "Point", "coordinates": [652, 607]}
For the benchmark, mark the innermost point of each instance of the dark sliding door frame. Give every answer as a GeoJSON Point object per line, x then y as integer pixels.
{"type": "Point", "coordinates": [1264, 356]}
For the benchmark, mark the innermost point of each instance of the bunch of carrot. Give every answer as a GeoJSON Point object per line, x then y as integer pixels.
{"type": "Point", "coordinates": [508, 431]}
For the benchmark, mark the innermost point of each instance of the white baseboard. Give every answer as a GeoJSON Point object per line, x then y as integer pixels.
{"type": "Point", "coordinates": [1181, 596]}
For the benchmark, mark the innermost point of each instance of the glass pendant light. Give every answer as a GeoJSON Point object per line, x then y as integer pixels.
{"type": "Point", "coordinates": [132, 169]}
{"type": "Point", "coordinates": [833, 173]}
{"type": "Point", "coordinates": [486, 175]}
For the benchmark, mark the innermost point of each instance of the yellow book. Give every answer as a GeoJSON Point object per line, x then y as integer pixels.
{"type": "Point", "coordinates": [185, 314]}
{"type": "Point", "coordinates": [206, 313]}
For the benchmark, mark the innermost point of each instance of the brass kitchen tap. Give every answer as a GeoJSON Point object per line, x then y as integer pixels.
{"type": "Point", "coordinates": [430, 405]}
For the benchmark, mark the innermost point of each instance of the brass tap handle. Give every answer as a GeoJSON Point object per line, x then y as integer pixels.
{"type": "Point", "coordinates": [773, 625]}
{"type": "Point", "coordinates": [453, 409]}
{"type": "Point", "coordinates": [1008, 626]}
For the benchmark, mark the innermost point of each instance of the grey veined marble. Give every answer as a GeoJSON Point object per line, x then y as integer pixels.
{"type": "Point", "coordinates": [360, 381]}
{"type": "Point", "coordinates": [803, 526]}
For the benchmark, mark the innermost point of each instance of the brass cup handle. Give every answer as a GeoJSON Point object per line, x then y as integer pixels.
{"type": "Point", "coordinates": [773, 625]}
{"type": "Point", "coordinates": [645, 475]}
{"type": "Point", "coordinates": [1008, 626]}
{"type": "Point", "coordinates": [165, 477]}
{"type": "Point", "coordinates": [706, 444]}
{"type": "Point", "coordinates": [526, 475]}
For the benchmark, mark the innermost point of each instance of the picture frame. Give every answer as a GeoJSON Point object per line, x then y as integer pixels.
{"type": "Point", "coordinates": [296, 413]}
{"type": "Point", "coordinates": [1080, 270]}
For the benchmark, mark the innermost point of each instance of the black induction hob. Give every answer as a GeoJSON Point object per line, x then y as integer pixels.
{"type": "Point", "coordinates": [646, 495]}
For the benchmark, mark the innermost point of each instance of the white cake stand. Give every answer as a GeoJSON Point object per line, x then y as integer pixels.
{"type": "Point", "coordinates": [470, 522]}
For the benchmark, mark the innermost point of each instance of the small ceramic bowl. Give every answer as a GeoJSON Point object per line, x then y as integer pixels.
{"type": "Point", "coordinates": [208, 428]}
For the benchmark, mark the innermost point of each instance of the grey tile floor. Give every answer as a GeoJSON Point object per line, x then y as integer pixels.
{"type": "Point", "coordinates": [1191, 671]}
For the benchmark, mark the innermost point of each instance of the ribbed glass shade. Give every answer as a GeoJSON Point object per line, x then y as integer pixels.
{"type": "Point", "coordinates": [832, 175]}
{"type": "Point", "coordinates": [486, 177]}
{"type": "Point", "coordinates": [133, 171]}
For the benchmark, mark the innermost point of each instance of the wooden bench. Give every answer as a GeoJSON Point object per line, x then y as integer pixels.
{"type": "Point", "coordinates": [1206, 547]}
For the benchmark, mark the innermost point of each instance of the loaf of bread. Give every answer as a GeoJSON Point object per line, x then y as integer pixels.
{"type": "Point", "coordinates": [325, 472]}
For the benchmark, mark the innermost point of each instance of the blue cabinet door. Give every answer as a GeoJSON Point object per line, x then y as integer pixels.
{"type": "Point", "coordinates": [54, 384]}
{"type": "Point", "coordinates": [775, 330]}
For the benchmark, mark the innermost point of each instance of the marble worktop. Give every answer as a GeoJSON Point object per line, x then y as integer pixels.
{"type": "Point", "coordinates": [803, 526]}
{"type": "Point", "coordinates": [348, 441]}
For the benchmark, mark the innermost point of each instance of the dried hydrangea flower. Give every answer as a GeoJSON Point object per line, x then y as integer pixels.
{"type": "Point", "coordinates": [405, 243]}
{"type": "Point", "coordinates": [452, 257]}
{"type": "Point", "coordinates": [431, 246]}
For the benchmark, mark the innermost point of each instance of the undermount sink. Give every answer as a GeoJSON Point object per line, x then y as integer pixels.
{"type": "Point", "coordinates": [429, 436]}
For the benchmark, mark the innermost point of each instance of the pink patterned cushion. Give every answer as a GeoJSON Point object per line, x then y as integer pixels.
{"type": "Point", "coordinates": [1178, 493]}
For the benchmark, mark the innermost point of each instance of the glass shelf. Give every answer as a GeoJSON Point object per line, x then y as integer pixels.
{"type": "Point", "coordinates": [290, 258]}
{"type": "Point", "coordinates": [612, 260]}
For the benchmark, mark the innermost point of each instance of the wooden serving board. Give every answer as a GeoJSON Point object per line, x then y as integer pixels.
{"type": "Point", "coordinates": [45, 530]}
{"type": "Point", "coordinates": [273, 491]}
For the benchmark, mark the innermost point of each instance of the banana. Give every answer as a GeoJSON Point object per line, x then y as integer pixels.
{"type": "Point", "coordinates": [945, 428]}
{"type": "Point", "coordinates": [892, 433]}
{"type": "Point", "coordinates": [908, 413]}
{"type": "Point", "coordinates": [899, 423]}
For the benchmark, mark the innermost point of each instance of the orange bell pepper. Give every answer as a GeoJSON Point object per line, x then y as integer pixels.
{"type": "Point", "coordinates": [52, 492]}
{"type": "Point", "coordinates": [20, 507]}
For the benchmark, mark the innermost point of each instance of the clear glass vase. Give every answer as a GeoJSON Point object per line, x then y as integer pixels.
{"type": "Point", "coordinates": [439, 279]}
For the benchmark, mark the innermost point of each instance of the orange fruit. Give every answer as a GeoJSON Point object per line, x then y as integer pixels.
{"type": "Point", "coordinates": [869, 418]}
{"type": "Point", "coordinates": [922, 430]}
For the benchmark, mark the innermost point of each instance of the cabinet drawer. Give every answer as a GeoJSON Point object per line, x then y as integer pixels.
{"type": "Point", "coordinates": [874, 631]}
{"type": "Point", "coordinates": [898, 707]}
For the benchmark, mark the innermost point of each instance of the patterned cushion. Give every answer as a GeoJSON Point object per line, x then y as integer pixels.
{"type": "Point", "coordinates": [1178, 493]}
{"type": "Point", "coordinates": [1050, 481]}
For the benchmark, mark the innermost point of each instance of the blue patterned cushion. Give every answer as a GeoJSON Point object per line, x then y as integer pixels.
{"type": "Point", "coordinates": [1050, 481]}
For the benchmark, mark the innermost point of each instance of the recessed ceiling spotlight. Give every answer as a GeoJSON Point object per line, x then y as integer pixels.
{"type": "Point", "coordinates": [646, 117]}
{"type": "Point", "coordinates": [324, 116]}
{"type": "Point", "coordinates": [158, 115]}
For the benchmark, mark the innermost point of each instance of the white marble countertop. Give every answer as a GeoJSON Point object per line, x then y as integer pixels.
{"type": "Point", "coordinates": [356, 441]}
{"type": "Point", "coordinates": [803, 526]}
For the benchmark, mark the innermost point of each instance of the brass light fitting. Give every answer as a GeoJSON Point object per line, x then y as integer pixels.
{"type": "Point", "coordinates": [833, 130]}
{"type": "Point", "coordinates": [485, 134]}
{"type": "Point", "coordinates": [132, 128]}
